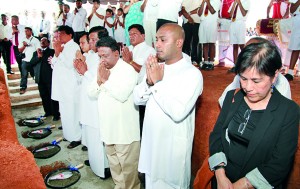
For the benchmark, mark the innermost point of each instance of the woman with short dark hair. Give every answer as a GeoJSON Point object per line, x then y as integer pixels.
{"type": "Point", "coordinates": [255, 137]}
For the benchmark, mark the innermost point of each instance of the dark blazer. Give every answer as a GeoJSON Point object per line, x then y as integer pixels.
{"type": "Point", "coordinates": [37, 63]}
{"type": "Point", "coordinates": [274, 141]}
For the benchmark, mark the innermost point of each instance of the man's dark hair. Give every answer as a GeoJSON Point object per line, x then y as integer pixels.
{"type": "Point", "coordinates": [28, 28]}
{"type": "Point", "coordinates": [3, 15]}
{"type": "Point", "coordinates": [138, 27]}
{"type": "Point", "coordinates": [102, 31]}
{"type": "Point", "coordinates": [66, 29]}
{"type": "Point", "coordinates": [15, 16]}
{"type": "Point", "coordinates": [97, 1]}
{"type": "Point", "coordinates": [120, 9]}
{"type": "Point", "coordinates": [85, 34]}
{"type": "Point", "coordinates": [108, 42]}
{"type": "Point", "coordinates": [110, 11]}
{"type": "Point", "coordinates": [263, 56]}
{"type": "Point", "coordinates": [66, 5]}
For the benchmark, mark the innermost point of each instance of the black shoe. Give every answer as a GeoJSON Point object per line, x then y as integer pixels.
{"type": "Point", "coordinates": [209, 67]}
{"type": "Point", "coordinates": [64, 139]}
{"type": "Point", "coordinates": [142, 178]}
{"type": "Point", "coordinates": [106, 173]}
{"type": "Point", "coordinates": [22, 91]}
{"type": "Point", "coordinates": [87, 162]}
{"type": "Point", "coordinates": [203, 66]}
{"type": "Point", "coordinates": [46, 115]}
{"type": "Point", "coordinates": [56, 118]}
{"type": "Point", "coordinates": [289, 77]}
{"type": "Point", "coordinates": [11, 72]}
{"type": "Point", "coordinates": [74, 144]}
{"type": "Point", "coordinates": [84, 148]}
{"type": "Point", "coordinates": [60, 128]}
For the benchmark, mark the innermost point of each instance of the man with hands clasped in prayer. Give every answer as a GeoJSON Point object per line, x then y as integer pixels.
{"type": "Point", "coordinates": [169, 90]}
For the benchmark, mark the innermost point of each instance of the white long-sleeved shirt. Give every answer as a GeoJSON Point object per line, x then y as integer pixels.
{"type": "Point", "coordinates": [169, 123]}
{"type": "Point", "coordinates": [140, 54]}
{"type": "Point", "coordinates": [65, 81]}
{"type": "Point", "coordinates": [95, 20]}
{"type": "Point", "coordinates": [5, 31]}
{"type": "Point", "coordinates": [88, 106]}
{"type": "Point", "coordinates": [46, 26]}
{"type": "Point", "coordinates": [21, 34]}
{"type": "Point", "coordinates": [118, 116]}
{"type": "Point", "coordinates": [78, 24]}
{"type": "Point", "coordinates": [68, 22]}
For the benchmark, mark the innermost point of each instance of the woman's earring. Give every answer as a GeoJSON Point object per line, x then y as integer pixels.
{"type": "Point", "coordinates": [272, 88]}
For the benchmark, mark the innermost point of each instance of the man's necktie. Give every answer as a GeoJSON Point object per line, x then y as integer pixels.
{"type": "Point", "coordinates": [234, 14]}
{"type": "Point", "coordinates": [17, 37]}
{"type": "Point", "coordinates": [41, 28]}
{"type": "Point", "coordinates": [206, 10]}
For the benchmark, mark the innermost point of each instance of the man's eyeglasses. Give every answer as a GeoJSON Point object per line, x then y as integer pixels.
{"type": "Point", "coordinates": [242, 126]}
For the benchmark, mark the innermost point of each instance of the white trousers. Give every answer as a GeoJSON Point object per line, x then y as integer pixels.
{"type": "Point", "coordinates": [96, 151]}
{"type": "Point", "coordinates": [158, 184]}
{"type": "Point", "coordinates": [70, 120]}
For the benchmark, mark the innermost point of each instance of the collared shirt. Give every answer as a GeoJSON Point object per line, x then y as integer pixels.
{"type": "Point", "coordinates": [21, 34]}
{"type": "Point", "coordinates": [33, 45]}
{"type": "Point", "coordinates": [239, 15]}
{"type": "Point", "coordinates": [44, 26]}
{"type": "Point", "coordinates": [5, 31]}
{"type": "Point", "coordinates": [96, 21]}
{"type": "Point", "coordinates": [140, 54]}
{"type": "Point", "coordinates": [110, 30]}
{"type": "Point", "coordinates": [78, 24]}
{"type": "Point", "coordinates": [119, 117]}
{"type": "Point", "coordinates": [68, 22]}
{"type": "Point", "coordinates": [65, 79]}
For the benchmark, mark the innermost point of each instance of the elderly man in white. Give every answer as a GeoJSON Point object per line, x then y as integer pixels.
{"type": "Point", "coordinates": [118, 116]}
{"type": "Point", "coordinates": [89, 117]}
{"type": "Point", "coordinates": [65, 84]}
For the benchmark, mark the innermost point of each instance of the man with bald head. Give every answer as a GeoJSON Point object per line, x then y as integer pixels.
{"type": "Point", "coordinates": [169, 90]}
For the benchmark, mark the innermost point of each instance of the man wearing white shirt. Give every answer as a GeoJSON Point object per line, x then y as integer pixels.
{"type": "Point", "coordinates": [65, 84]}
{"type": "Point", "coordinates": [150, 9]}
{"type": "Point", "coordinates": [169, 91]}
{"type": "Point", "coordinates": [5, 43]}
{"type": "Point", "coordinates": [89, 117]}
{"type": "Point", "coordinates": [97, 15]}
{"type": "Point", "coordinates": [118, 116]}
{"type": "Point", "coordinates": [44, 26]}
{"type": "Point", "coordinates": [78, 24]}
{"type": "Point", "coordinates": [136, 55]}
{"type": "Point", "coordinates": [18, 34]}
{"type": "Point", "coordinates": [28, 46]}
{"type": "Point", "coordinates": [237, 33]}
{"type": "Point", "coordinates": [66, 19]}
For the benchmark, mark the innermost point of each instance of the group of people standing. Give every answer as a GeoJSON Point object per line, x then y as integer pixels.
{"type": "Point", "coordinates": [134, 107]}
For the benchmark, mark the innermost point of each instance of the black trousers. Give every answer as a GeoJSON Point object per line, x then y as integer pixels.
{"type": "Point", "coordinates": [142, 115]}
{"type": "Point", "coordinates": [5, 51]}
{"type": "Point", "coordinates": [50, 106]}
{"type": "Point", "coordinates": [161, 22]}
{"type": "Point", "coordinates": [191, 43]}
{"type": "Point", "coordinates": [19, 60]}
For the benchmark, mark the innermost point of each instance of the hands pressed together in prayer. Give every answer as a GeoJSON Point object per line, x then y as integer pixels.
{"type": "Point", "coordinates": [103, 74]}
{"type": "Point", "coordinates": [127, 55]}
{"type": "Point", "coordinates": [58, 48]}
{"type": "Point", "coordinates": [154, 70]}
{"type": "Point", "coordinates": [79, 63]}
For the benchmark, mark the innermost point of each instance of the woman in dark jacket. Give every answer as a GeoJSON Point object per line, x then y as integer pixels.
{"type": "Point", "coordinates": [255, 137]}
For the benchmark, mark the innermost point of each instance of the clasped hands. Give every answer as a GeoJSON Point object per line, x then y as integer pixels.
{"type": "Point", "coordinates": [79, 63]}
{"type": "Point", "coordinates": [103, 74]}
{"type": "Point", "coordinates": [154, 70]}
